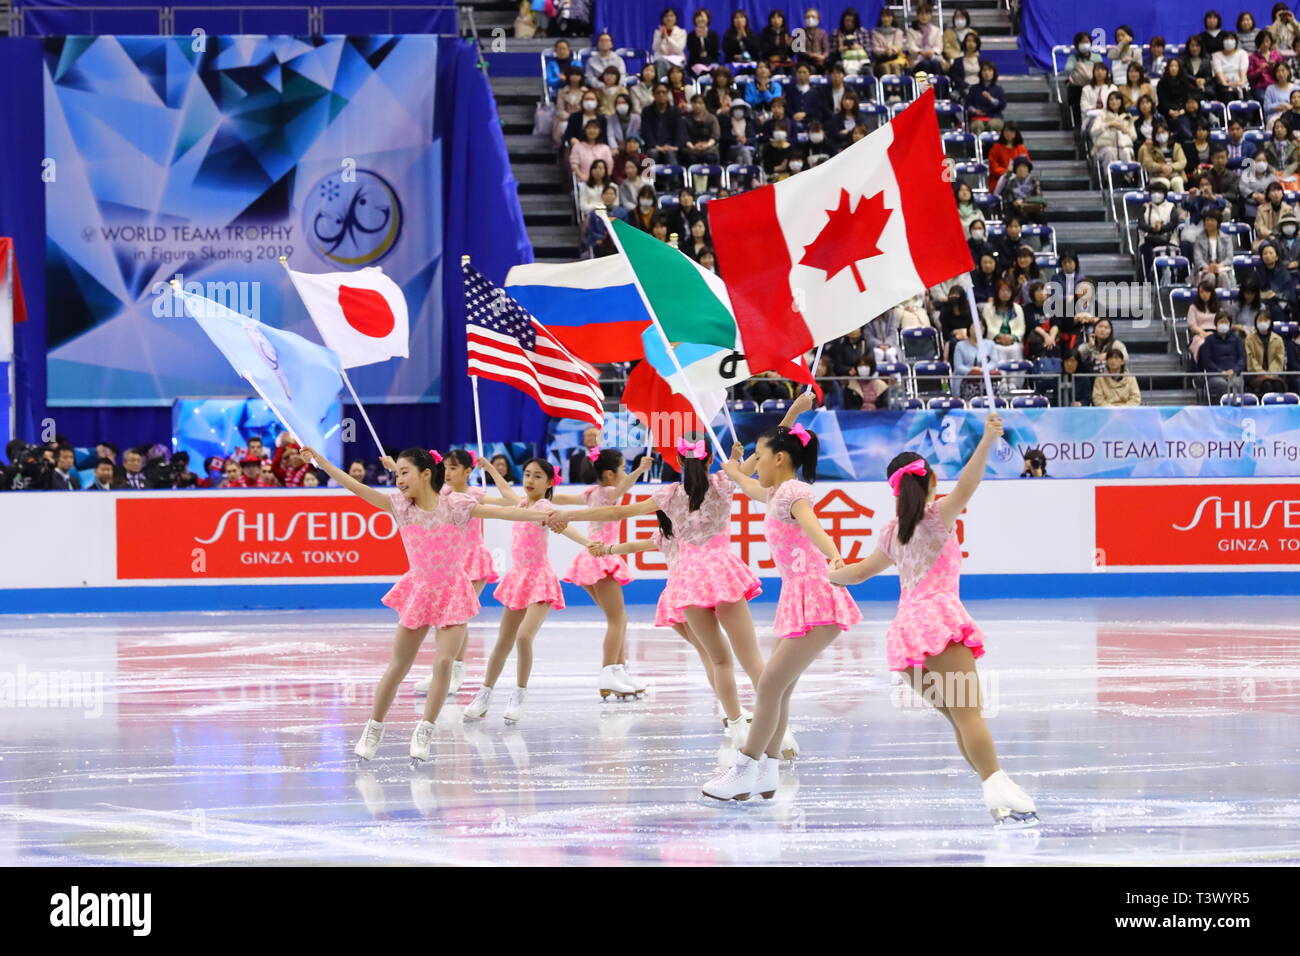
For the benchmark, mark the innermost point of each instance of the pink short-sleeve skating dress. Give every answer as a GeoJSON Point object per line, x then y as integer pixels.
{"type": "Point", "coordinates": [478, 560]}
{"type": "Point", "coordinates": [930, 613]}
{"type": "Point", "coordinates": [707, 572]}
{"type": "Point", "coordinates": [664, 616]}
{"type": "Point", "coordinates": [808, 599]}
{"type": "Point", "coordinates": [531, 579]}
{"type": "Point", "coordinates": [436, 591]}
{"type": "Point", "coordinates": [586, 568]}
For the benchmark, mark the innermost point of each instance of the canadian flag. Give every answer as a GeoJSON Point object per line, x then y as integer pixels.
{"type": "Point", "coordinates": [809, 258]}
{"type": "Point", "coordinates": [361, 315]}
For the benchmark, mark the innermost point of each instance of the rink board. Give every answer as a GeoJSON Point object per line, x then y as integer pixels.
{"type": "Point", "coordinates": [198, 550]}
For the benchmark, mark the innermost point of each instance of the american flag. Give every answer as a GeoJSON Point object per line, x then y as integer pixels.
{"type": "Point", "coordinates": [508, 345]}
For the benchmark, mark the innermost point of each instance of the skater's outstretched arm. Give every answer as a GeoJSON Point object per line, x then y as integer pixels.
{"type": "Point", "coordinates": [558, 520]}
{"type": "Point", "coordinates": [508, 513]}
{"type": "Point", "coordinates": [951, 505]}
{"type": "Point", "coordinates": [627, 481]}
{"type": "Point", "coordinates": [748, 485]}
{"type": "Point", "coordinates": [803, 512]}
{"type": "Point", "coordinates": [804, 401]}
{"type": "Point", "coordinates": [859, 571]}
{"type": "Point", "coordinates": [508, 495]}
{"type": "Point", "coordinates": [599, 549]}
{"type": "Point", "coordinates": [370, 495]}
{"type": "Point", "coordinates": [574, 535]}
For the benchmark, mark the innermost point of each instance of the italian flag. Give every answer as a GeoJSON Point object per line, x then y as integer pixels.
{"type": "Point", "coordinates": [811, 257]}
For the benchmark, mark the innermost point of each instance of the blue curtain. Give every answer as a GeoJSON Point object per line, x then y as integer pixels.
{"type": "Point", "coordinates": [1049, 23]}
{"type": "Point", "coordinates": [483, 220]}
{"type": "Point", "coordinates": [633, 22]}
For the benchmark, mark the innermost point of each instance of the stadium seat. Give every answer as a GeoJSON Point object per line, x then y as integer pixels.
{"type": "Point", "coordinates": [950, 115]}
{"type": "Point", "coordinates": [1281, 398]}
{"type": "Point", "coordinates": [937, 369]}
{"type": "Point", "coordinates": [1249, 112]}
{"type": "Point", "coordinates": [1029, 401]}
{"type": "Point", "coordinates": [1287, 330]}
{"type": "Point", "coordinates": [774, 405]}
{"type": "Point", "coordinates": [1241, 232]}
{"type": "Point", "coordinates": [713, 177]}
{"type": "Point", "coordinates": [740, 178]}
{"type": "Point", "coordinates": [982, 402]}
{"type": "Point", "coordinates": [743, 405]}
{"type": "Point", "coordinates": [949, 401]}
{"type": "Point", "coordinates": [667, 176]}
{"type": "Point", "coordinates": [896, 87]}
{"type": "Point", "coordinates": [911, 404]}
{"type": "Point", "coordinates": [667, 201]}
{"type": "Point", "coordinates": [960, 146]}
{"type": "Point", "coordinates": [887, 369]}
{"type": "Point", "coordinates": [873, 115]}
{"type": "Point", "coordinates": [921, 343]}
{"type": "Point", "coordinates": [1240, 400]}
{"type": "Point", "coordinates": [974, 175]}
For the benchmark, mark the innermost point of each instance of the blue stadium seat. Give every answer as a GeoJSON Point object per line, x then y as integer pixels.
{"type": "Point", "coordinates": [741, 178]}
{"type": "Point", "coordinates": [1249, 112]}
{"type": "Point", "coordinates": [912, 404]}
{"type": "Point", "coordinates": [1020, 365]}
{"type": "Point", "coordinates": [1029, 401]}
{"type": "Point", "coordinates": [774, 405]}
{"type": "Point", "coordinates": [887, 369]}
{"type": "Point", "coordinates": [938, 369]}
{"type": "Point", "coordinates": [715, 176]}
{"type": "Point", "coordinates": [665, 176]}
{"type": "Point", "coordinates": [921, 343]}
{"type": "Point", "coordinates": [1287, 330]}
{"type": "Point", "coordinates": [1281, 398]}
{"type": "Point", "coordinates": [743, 405]}
{"type": "Point", "coordinates": [960, 146]}
{"type": "Point", "coordinates": [945, 402]}
{"type": "Point", "coordinates": [983, 402]}
{"type": "Point", "coordinates": [1241, 400]}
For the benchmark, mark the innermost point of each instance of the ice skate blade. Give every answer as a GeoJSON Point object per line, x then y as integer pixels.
{"type": "Point", "coordinates": [509, 722]}
{"type": "Point", "coordinates": [1007, 819]}
{"type": "Point", "coordinates": [737, 797]}
{"type": "Point", "coordinates": [788, 755]}
{"type": "Point", "coordinates": [768, 794]}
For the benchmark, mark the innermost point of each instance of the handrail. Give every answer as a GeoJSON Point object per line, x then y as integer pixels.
{"type": "Point", "coordinates": [166, 23]}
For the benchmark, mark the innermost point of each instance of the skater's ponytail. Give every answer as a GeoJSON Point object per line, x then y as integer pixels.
{"type": "Point", "coordinates": [693, 457]}
{"type": "Point", "coordinates": [425, 460]}
{"type": "Point", "coordinates": [912, 486]}
{"type": "Point", "coordinates": [665, 524]}
{"type": "Point", "coordinates": [609, 459]}
{"type": "Point", "coordinates": [799, 444]}
{"type": "Point", "coordinates": [547, 469]}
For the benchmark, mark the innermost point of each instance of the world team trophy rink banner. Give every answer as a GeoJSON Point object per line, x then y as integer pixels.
{"type": "Point", "coordinates": [208, 158]}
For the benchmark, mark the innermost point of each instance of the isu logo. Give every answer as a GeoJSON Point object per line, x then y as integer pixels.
{"type": "Point", "coordinates": [1208, 525]}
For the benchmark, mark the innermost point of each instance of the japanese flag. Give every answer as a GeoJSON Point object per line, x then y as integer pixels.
{"type": "Point", "coordinates": [360, 315]}
{"type": "Point", "coordinates": [825, 251]}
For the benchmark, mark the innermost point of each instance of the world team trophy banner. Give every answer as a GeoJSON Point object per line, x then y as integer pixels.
{"type": "Point", "coordinates": [208, 158]}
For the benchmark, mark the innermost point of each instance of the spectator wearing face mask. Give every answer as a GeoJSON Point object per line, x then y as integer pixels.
{"type": "Point", "coordinates": [589, 113]}
{"type": "Point", "coordinates": [1270, 214]}
{"type": "Point", "coordinates": [1158, 224]}
{"type": "Point", "coordinates": [820, 148]}
{"type": "Point", "coordinates": [780, 156]}
{"type": "Point", "coordinates": [1256, 179]}
{"type": "Point", "coordinates": [644, 216]}
{"type": "Point", "coordinates": [739, 135]}
{"type": "Point", "coordinates": [1079, 67]}
{"type": "Point", "coordinates": [1116, 387]}
{"type": "Point", "coordinates": [816, 50]}
{"type": "Point", "coordinates": [978, 243]}
{"type": "Point", "coordinates": [1287, 241]}
{"type": "Point", "coordinates": [622, 124]}
{"type": "Point", "coordinates": [955, 33]}
{"type": "Point", "coordinates": [1230, 67]}
{"type": "Point", "coordinates": [1223, 356]}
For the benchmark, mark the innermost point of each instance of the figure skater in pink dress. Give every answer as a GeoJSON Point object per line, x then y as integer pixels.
{"type": "Point", "coordinates": [528, 591]}
{"type": "Point", "coordinates": [436, 592]}
{"type": "Point", "coordinates": [810, 613]}
{"type": "Point", "coordinates": [933, 640]}
{"type": "Point", "coordinates": [603, 577]}
{"type": "Point", "coordinates": [459, 466]}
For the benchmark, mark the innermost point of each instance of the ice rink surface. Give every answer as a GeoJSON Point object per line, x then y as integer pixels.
{"type": "Point", "coordinates": [1148, 731]}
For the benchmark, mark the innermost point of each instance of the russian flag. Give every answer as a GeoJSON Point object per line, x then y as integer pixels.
{"type": "Point", "coordinates": [591, 305]}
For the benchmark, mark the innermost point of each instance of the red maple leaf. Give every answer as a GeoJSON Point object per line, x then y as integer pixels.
{"type": "Point", "coordinates": [848, 236]}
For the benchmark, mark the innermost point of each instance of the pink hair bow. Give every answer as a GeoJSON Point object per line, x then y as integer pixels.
{"type": "Point", "coordinates": [593, 454]}
{"type": "Point", "coordinates": [690, 449]}
{"type": "Point", "coordinates": [437, 459]}
{"type": "Point", "coordinates": [473, 459]}
{"type": "Point", "coordinates": [911, 468]}
{"type": "Point", "coordinates": [801, 433]}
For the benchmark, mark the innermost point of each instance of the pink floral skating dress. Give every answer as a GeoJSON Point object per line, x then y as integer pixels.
{"type": "Point", "coordinates": [668, 548]}
{"type": "Point", "coordinates": [930, 613]}
{"type": "Point", "coordinates": [436, 591]}
{"type": "Point", "coordinates": [587, 569]}
{"type": "Point", "coordinates": [707, 572]}
{"type": "Point", "coordinates": [478, 560]}
{"type": "Point", "coordinates": [531, 579]}
{"type": "Point", "coordinates": [808, 599]}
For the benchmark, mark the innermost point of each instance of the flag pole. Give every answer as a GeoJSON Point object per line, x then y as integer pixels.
{"type": "Point", "coordinates": [645, 300]}
{"type": "Point", "coordinates": [284, 262]}
{"type": "Point", "coordinates": [979, 339]}
{"type": "Point", "coordinates": [247, 376]}
{"type": "Point", "coordinates": [478, 419]}
{"type": "Point", "coordinates": [817, 360]}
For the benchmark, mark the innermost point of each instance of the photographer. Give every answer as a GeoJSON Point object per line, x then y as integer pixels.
{"type": "Point", "coordinates": [28, 470]}
{"type": "Point", "coordinates": [1035, 464]}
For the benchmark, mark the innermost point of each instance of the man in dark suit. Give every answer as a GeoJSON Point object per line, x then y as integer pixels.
{"type": "Point", "coordinates": [64, 477]}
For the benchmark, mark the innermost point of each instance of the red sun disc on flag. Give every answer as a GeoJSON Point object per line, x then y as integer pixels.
{"type": "Point", "coordinates": [366, 311]}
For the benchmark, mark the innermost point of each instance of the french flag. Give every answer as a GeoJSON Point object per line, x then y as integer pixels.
{"type": "Point", "coordinates": [590, 306]}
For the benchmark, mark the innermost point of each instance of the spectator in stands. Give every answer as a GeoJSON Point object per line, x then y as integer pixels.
{"type": "Point", "coordinates": [770, 386]}
{"type": "Point", "coordinates": [702, 134]}
{"type": "Point", "coordinates": [1282, 154]}
{"type": "Point", "coordinates": [1270, 213]}
{"type": "Point", "coordinates": [1113, 133]}
{"type": "Point", "coordinates": [1202, 314]}
{"type": "Point", "coordinates": [780, 155]}
{"type": "Point", "coordinates": [1283, 29]}
{"type": "Point", "coordinates": [1238, 146]}
{"type": "Point", "coordinates": [572, 18]}
{"type": "Point", "coordinates": [558, 64]}
{"type": "Point", "coordinates": [775, 44]}
{"type": "Point", "coordinates": [1255, 181]}
{"type": "Point", "coordinates": [1246, 31]}
{"type": "Point", "coordinates": [978, 243]}
{"type": "Point", "coordinates": [1196, 63]}
{"type": "Point", "coordinates": [1223, 356]}
{"type": "Point", "coordinates": [1123, 51]}
{"type": "Point", "coordinates": [582, 470]}
{"type": "Point", "coordinates": [762, 90]}
{"type": "Point", "coordinates": [709, 260]}
{"type": "Point", "coordinates": [1068, 278]}
{"type": "Point", "coordinates": [1212, 253]}
{"type": "Point", "coordinates": [851, 42]}
{"type": "Point", "coordinates": [739, 135]}
{"type": "Point", "coordinates": [722, 93]}
{"type": "Point", "coordinates": [740, 44]}
{"type": "Point", "coordinates": [1277, 95]}
{"type": "Point", "coordinates": [1041, 333]}
{"type": "Point", "coordinates": [1092, 98]}
{"type": "Point", "coordinates": [1022, 271]}
{"type": "Point", "coordinates": [659, 229]}
{"type": "Point", "coordinates": [133, 467]}
{"type": "Point", "coordinates": [1265, 358]}
{"type": "Point", "coordinates": [1172, 89]}
{"type": "Point", "coordinates": [1073, 389]}
{"type": "Point", "coordinates": [985, 101]}
{"type": "Point", "coordinates": [1117, 387]}
{"type": "Point", "coordinates": [104, 479]}
{"type": "Point", "coordinates": [630, 188]}
{"type": "Point", "coordinates": [662, 129]}
{"type": "Point", "coordinates": [1079, 66]}
{"type": "Point", "coordinates": [969, 358]}
{"type": "Point", "coordinates": [841, 126]}
{"type": "Point", "coordinates": [610, 90]}
{"type": "Point", "coordinates": [985, 277]}
{"type": "Point", "coordinates": [1004, 321]}
{"type": "Point", "coordinates": [587, 152]}
{"type": "Point", "coordinates": [696, 240]}
{"type": "Point", "coordinates": [229, 473]}
{"type": "Point", "coordinates": [965, 70]}
{"type": "Point", "coordinates": [1259, 69]}
{"type": "Point", "coordinates": [64, 477]}
{"type": "Point", "coordinates": [677, 88]}
{"type": "Point", "coordinates": [591, 192]}
{"type": "Point", "coordinates": [911, 314]}
{"type": "Point", "coordinates": [804, 101]}
{"type": "Point", "coordinates": [888, 43]}
{"type": "Point", "coordinates": [604, 59]}
{"type": "Point", "coordinates": [881, 334]}
{"type": "Point", "coordinates": [685, 214]}
{"type": "Point", "coordinates": [1021, 193]}
{"type": "Point", "coordinates": [1249, 306]}
{"type": "Point", "coordinates": [1231, 66]}
{"type": "Point", "coordinates": [816, 50]}
{"type": "Point", "coordinates": [568, 102]}
{"type": "Point", "coordinates": [1277, 287]}
{"type": "Point", "coordinates": [1136, 85]}
{"type": "Point", "coordinates": [643, 93]}
{"type": "Point", "coordinates": [250, 474]}
{"type": "Point", "coordinates": [703, 45]}
{"type": "Point", "coordinates": [1158, 224]}
{"type": "Point", "coordinates": [780, 112]}
{"type": "Point", "coordinates": [1225, 182]}
{"type": "Point", "coordinates": [1144, 123]}
{"type": "Point", "coordinates": [269, 479]}
{"type": "Point", "coordinates": [622, 124]}
{"type": "Point", "coordinates": [954, 318]}
{"type": "Point", "coordinates": [955, 33]}
{"type": "Point", "coordinates": [589, 112]}
{"type": "Point", "coordinates": [967, 211]}
{"type": "Point", "coordinates": [1156, 68]}
{"type": "Point", "coordinates": [526, 26]}
{"type": "Point", "coordinates": [1288, 242]}
{"type": "Point", "coordinates": [597, 241]}
{"type": "Point", "coordinates": [1212, 37]}
{"type": "Point", "coordinates": [644, 215]}
{"type": "Point", "coordinates": [924, 45]}
{"type": "Point", "coordinates": [1197, 149]}
{"type": "Point", "coordinates": [1007, 243]}
{"type": "Point", "coordinates": [1291, 116]}
{"type": "Point", "coordinates": [502, 464]}
{"type": "Point", "coordinates": [1093, 353]}
{"type": "Point", "coordinates": [668, 45]}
